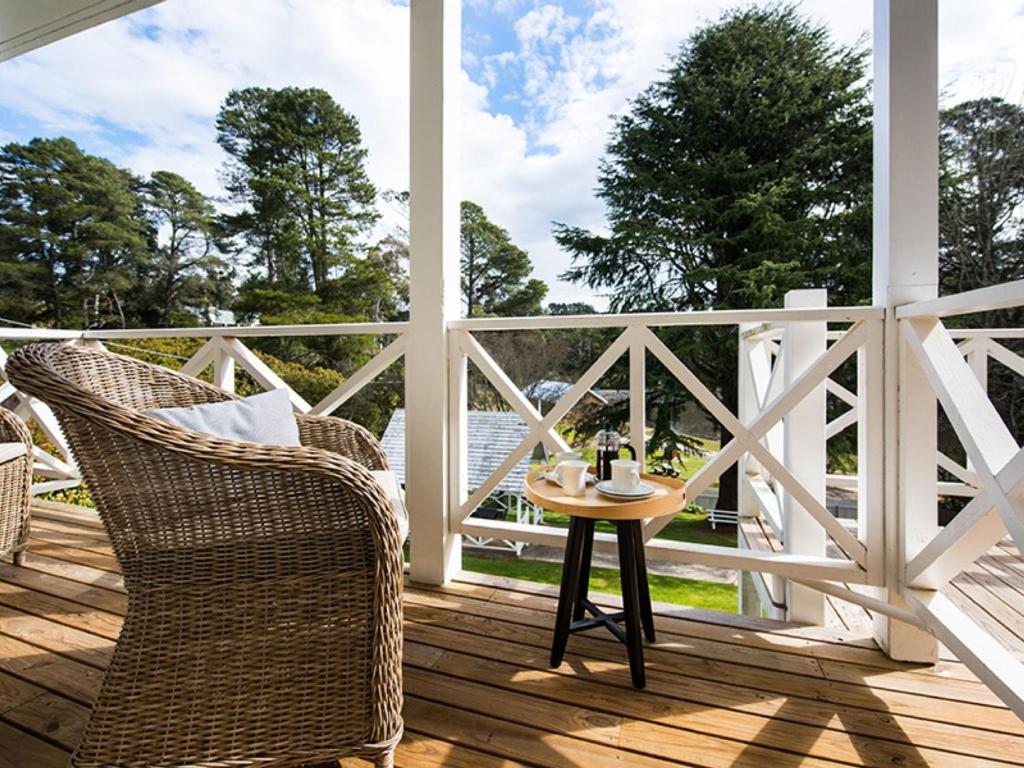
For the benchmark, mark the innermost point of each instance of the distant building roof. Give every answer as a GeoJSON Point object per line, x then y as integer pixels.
{"type": "Point", "coordinates": [552, 391]}
{"type": "Point", "coordinates": [492, 436]}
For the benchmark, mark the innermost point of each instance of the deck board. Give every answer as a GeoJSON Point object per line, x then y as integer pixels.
{"type": "Point", "coordinates": [722, 690]}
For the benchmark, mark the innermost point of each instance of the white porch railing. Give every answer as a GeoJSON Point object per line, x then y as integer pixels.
{"type": "Point", "coordinates": [993, 477]}
{"type": "Point", "coordinates": [753, 432]}
{"type": "Point", "coordinates": [224, 351]}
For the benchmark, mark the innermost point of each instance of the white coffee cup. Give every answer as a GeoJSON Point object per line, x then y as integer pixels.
{"type": "Point", "coordinates": [625, 474]}
{"type": "Point", "coordinates": [562, 457]}
{"type": "Point", "coordinates": [573, 477]}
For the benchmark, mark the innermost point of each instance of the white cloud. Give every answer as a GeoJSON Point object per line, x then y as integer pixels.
{"type": "Point", "coordinates": [578, 73]}
{"type": "Point", "coordinates": [168, 90]}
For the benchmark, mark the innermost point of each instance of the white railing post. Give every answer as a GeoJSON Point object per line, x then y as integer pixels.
{"type": "Point", "coordinates": [977, 358]}
{"type": "Point", "coordinates": [905, 269]}
{"type": "Point", "coordinates": [870, 448]}
{"type": "Point", "coordinates": [638, 398]}
{"type": "Point", "coordinates": [747, 408]}
{"type": "Point", "coordinates": [224, 369]}
{"type": "Point", "coordinates": [435, 69]}
{"type": "Point", "coordinates": [804, 450]}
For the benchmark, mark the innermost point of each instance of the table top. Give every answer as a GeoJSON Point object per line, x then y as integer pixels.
{"type": "Point", "coordinates": [668, 499]}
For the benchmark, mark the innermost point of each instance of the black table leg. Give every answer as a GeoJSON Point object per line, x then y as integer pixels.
{"type": "Point", "coordinates": [583, 587]}
{"type": "Point", "coordinates": [646, 615]}
{"type": "Point", "coordinates": [567, 592]}
{"type": "Point", "coordinates": [631, 600]}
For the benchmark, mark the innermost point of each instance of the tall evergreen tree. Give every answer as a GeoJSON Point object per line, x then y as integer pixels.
{"type": "Point", "coordinates": [741, 174]}
{"type": "Point", "coordinates": [297, 167]}
{"type": "Point", "coordinates": [981, 232]}
{"type": "Point", "coordinates": [71, 235]}
{"type": "Point", "coordinates": [184, 274]}
{"type": "Point", "coordinates": [495, 271]}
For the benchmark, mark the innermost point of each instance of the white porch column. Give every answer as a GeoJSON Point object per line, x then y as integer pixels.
{"type": "Point", "coordinates": [435, 52]}
{"type": "Point", "coordinates": [804, 449]}
{"type": "Point", "coordinates": [906, 244]}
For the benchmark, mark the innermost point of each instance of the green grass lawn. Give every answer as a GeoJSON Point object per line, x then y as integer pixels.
{"type": "Point", "coordinates": [665, 589]}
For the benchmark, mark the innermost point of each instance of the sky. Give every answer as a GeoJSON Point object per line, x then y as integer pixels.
{"type": "Point", "coordinates": [542, 83]}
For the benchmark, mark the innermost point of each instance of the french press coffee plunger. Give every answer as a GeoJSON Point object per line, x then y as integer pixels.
{"type": "Point", "coordinates": [609, 443]}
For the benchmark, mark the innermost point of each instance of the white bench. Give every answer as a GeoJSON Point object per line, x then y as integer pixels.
{"type": "Point", "coordinates": [723, 516]}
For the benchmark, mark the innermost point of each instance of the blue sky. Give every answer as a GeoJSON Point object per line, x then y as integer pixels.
{"type": "Point", "coordinates": [542, 84]}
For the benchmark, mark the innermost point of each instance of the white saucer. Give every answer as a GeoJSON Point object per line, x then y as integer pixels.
{"type": "Point", "coordinates": [642, 491]}
{"type": "Point", "coordinates": [551, 477]}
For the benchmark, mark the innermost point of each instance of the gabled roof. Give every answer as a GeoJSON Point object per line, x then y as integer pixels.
{"type": "Point", "coordinates": [492, 436]}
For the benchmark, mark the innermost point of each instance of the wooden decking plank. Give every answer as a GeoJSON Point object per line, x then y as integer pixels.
{"type": "Point", "coordinates": [420, 751]}
{"type": "Point", "coordinates": [51, 718]}
{"type": "Point", "coordinates": [531, 647]}
{"type": "Point", "coordinates": [83, 574]}
{"type": "Point", "coordinates": [14, 692]}
{"type": "Point", "coordinates": [965, 601]}
{"type": "Point", "coordinates": [74, 555]}
{"type": "Point", "coordinates": [55, 586]}
{"type": "Point", "coordinates": [86, 517]}
{"type": "Point", "coordinates": [772, 641]}
{"type": "Point", "coordinates": [670, 650]}
{"type": "Point", "coordinates": [50, 671]}
{"type": "Point", "coordinates": [72, 614]}
{"type": "Point", "coordinates": [1011, 578]}
{"type": "Point", "coordinates": [504, 586]}
{"type": "Point", "coordinates": [667, 643]}
{"type": "Point", "coordinates": [988, 592]}
{"type": "Point", "coordinates": [824, 736]}
{"type": "Point", "coordinates": [22, 750]}
{"type": "Point", "coordinates": [58, 638]}
{"type": "Point", "coordinates": [701, 747]}
{"type": "Point", "coordinates": [53, 533]}
{"type": "Point", "coordinates": [554, 750]}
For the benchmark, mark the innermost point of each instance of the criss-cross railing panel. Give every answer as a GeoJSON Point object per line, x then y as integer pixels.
{"type": "Point", "coordinates": [757, 438]}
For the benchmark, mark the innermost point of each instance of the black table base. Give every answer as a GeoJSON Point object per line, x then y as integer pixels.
{"type": "Point", "coordinates": [574, 605]}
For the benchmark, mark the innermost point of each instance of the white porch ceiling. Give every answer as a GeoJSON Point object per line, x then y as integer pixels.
{"type": "Point", "coordinates": [29, 24]}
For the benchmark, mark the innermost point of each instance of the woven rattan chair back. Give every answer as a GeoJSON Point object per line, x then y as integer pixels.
{"type": "Point", "coordinates": [264, 582]}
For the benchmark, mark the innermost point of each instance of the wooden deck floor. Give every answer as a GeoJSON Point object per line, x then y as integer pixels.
{"type": "Point", "coordinates": [722, 690]}
{"type": "Point", "coordinates": [991, 591]}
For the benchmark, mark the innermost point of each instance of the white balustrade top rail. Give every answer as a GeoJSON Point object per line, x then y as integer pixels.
{"type": "Point", "coordinates": [666, 319]}
{"type": "Point", "coordinates": [234, 331]}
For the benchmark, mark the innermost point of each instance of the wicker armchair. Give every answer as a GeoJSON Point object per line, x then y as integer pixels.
{"type": "Point", "coordinates": [264, 582]}
{"type": "Point", "coordinates": [15, 485]}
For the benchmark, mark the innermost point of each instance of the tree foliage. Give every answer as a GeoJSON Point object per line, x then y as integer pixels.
{"type": "Point", "coordinates": [71, 235]}
{"type": "Point", "coordinates": [741, 174]}
{"type": "Point", "coordinates": [297, 167]}
{"type": "Point", "coordinates": [185, 271]}
{"type": "Point", "coordinates": [495, 271]}
{"type": "Point", "coordinates": [981, 233]}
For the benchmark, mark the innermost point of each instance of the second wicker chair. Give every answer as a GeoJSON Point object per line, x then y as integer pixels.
{"type": "Point", "coordinates": [264, 582]}
{"type": "Point", "coordinates": [15, 485]}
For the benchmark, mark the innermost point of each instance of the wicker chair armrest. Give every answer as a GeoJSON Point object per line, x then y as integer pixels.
{"type": "Point", "coordinates": [13, 429]}
{"type": "Point", "coordinates": [342, 437]}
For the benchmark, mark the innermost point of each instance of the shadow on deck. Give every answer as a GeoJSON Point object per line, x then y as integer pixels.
{"type": "Point", "coordinates": [722, 690]}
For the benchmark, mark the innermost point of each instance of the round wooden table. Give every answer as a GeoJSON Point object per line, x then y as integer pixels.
{"type": "Point", "coordinates": [627, 516]}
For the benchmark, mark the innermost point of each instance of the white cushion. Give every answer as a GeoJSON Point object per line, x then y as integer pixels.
{"type": "Point", "coordinates": [389, 482]}
{"type": "Point", "coordinates": [265, 418]}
